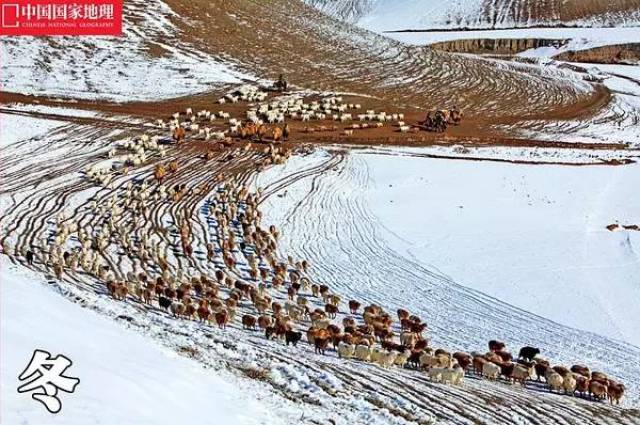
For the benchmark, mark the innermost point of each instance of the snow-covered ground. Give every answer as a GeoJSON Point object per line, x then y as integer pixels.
{"type": "Point", "coordinates": [616, 123]}
{"type": "Point", "coordinates": [125, 378]}
{"type": "Point", "coordinates": [531, 236]}
{"type": "Point", "coordinates": [390, 15]}
{"type": "Point", "coordinates": [534, 237]}
{"type": "Point", "coordinates": [14, 128]}
{"type": "Point", "coordinates": [579, 38]}
{"type": "Point", "coordinates": [138, 65]}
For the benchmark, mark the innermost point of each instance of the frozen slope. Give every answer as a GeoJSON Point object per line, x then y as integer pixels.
{"type": "Point", "coordinates": [125, 378]}
{"type": "Point", "coordinates": [463, 261]}
{"type": "Point", "coordinates": [136, 65]}
{"type": "Point", "coordinates": [386, 15]}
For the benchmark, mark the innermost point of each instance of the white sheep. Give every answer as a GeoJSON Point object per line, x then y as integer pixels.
{"type": "Point", "coordinates": [555, 381]}
{"type": "Point", "coordinates": [492, 371]}
{"type": "Point", "coordinates": [402, 358]}
{"type": "Point", "coordinates": [363, 353]}
{"type": "Point", "coordinates": [346, 351]}
{"type": "Point", "coordinates": [387, 359]}
{"type": "Point", "coordinates": [435, 374]}
{"type": "Point", "coordinates": [375, 355]}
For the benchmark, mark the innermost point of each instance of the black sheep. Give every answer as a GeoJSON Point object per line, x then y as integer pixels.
{"type": "Point", "coordinates": [528, 353]}
{"type": "Point", "coordinates": [164, 302]}
{"type": "Point", "coordinates": [293, 337]}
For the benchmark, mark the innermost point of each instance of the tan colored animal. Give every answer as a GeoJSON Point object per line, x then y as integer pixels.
{"type": "Point", "coordinates": [615, 392]}
{"type": "Point", "coordinates": [555, 381]}
{"type": "Point", "coordinates": [264, 322]}
{"type": "Point", "coordinates": [159, 172]}
{"type": "Point", "coordinates": [178, 134]}
{"type": "Point", "coordinates": [521, 373]}
{"type": "Point", "coordinates": [597, 389]}
{"type": "Point", "coordinates": [569, 384]}
{"type": "Point", "coordinates": [222, 318]}
{"type": "Point", "coordinates": [277, 134]}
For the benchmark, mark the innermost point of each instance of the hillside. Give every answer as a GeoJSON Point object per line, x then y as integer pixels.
{"type": "Point", "coordinates": [330, 55]}
{"type": "Point", "coordinates": [211, 249]}
{"type": "Point", "coordinates": [385, 15]}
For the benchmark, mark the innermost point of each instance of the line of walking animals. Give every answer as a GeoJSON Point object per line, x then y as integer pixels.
{"type": "Point", "coordinates": [372, 340]}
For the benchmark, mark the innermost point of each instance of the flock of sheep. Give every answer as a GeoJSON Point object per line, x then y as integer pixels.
{"type": "Point", "coordinates": [250, 283]}
{"type": "Point", "coordinates": [265, 120]}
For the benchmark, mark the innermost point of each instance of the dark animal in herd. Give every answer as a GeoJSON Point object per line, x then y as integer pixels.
{"type": "Point", "coordinates": [528, 353]}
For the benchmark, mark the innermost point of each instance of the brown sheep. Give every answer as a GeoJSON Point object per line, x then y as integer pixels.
{"type": "Point", "coordinates": [581, 370]}
{"type": "Point", "coordinates": [478, 362]}
{"type": "Point", "coordinates": [349, 322]}
{"type": "Point", "coordinates": [204, 314]}
{"type": "Point", "coordinates": [331, 310]}
{"type": "Point", "coordinates": [178, 134]}
{"type": "Point", "coordinates": [541, 368]}
{"type": "Point", "coordinates": [277, 134]}
{"type": "Point", "coordinates": [615, 392]}
{"type": "Point", "coordinates": [582, 384]}
{"type": "Point", "coordinates": [464, 359]}
{"type": "Point", "coordinates": [276, 307]}
{"type": "Point", "coordinates": [264, 322]}
{"type": "Point", "coordinates": [496, 346]}
{"type": "Point", "coordinates": [249, 322]}
{"type": "Point", "coordinates": [321, 344]}
{"type": "Point", "coordinates": [159, 172]}
{"type": "Point", "coordinates": [222, 318]}
{"type": "Point", "coordinates": [597, 390]}
{"type": "Point", "coordinates": [354, 306]}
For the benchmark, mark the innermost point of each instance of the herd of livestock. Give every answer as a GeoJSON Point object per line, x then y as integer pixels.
{"type": "Point", "coordinates": [252, 286]}
{"type": "Point", "coordinates": [265, 120]}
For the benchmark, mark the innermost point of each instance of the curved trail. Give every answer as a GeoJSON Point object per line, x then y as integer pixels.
{"type": "Point", "coordinates": [346, 245]}
{"type": "Point", "coordinates": [331, 227]}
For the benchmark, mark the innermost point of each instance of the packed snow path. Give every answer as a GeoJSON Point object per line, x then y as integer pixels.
{"type": "Point", "coordinates": [44, 178]}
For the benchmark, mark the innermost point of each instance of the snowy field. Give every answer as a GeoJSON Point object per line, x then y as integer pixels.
{"type": "Point", "coordinates": [502, 229]}
{"type": "Point", "coordinates": [580, 38]}
{"type": "Point", "coordinates": [616, 123]}
{"type": "Point", "coordinates": [482, 250]}
{"type": "Point", "coordinates": [115, 68]}
{"type": "Point", "coordinates": [125, 378]}
{"type": "Point", "coordinates": [14, 128]}
{"type": "Point", "coordinates": [331, 208]}
{"type": "Point", "coordinates": [390, 15]}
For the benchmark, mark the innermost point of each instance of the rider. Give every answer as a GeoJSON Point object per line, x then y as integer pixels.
{"type": "Point", "coordinates": [282, 83]}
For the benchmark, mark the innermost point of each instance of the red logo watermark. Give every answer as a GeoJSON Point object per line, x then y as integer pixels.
{"type": "Point", "coordinates": [61, 17]}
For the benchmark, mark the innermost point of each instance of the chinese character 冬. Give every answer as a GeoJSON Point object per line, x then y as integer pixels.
{"type": "Point", "coordinates": [44, 376]}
